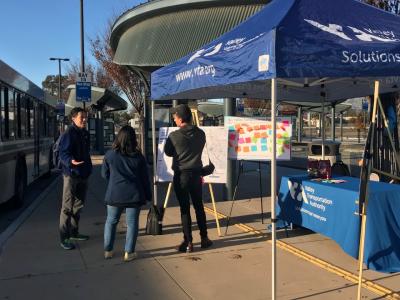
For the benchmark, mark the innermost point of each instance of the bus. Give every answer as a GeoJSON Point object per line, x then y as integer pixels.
{"type": "Point", "coordinates": [27, 130]}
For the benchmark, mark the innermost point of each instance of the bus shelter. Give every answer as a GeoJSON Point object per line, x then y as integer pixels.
{"type": "Point", "coordinates": [101, 124]}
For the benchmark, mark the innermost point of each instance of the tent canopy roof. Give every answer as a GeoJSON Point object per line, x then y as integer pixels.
{"type": "Point", "coordinates": [318, 50]}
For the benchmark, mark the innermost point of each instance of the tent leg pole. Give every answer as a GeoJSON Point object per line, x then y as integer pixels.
{"type": "Point", "coordinates": [168, 195]}
{"type": "Point", "coordinates": [273, 184]}
{"type": "Point", "coordinates": [323, 129]}
{"type": "Point", "coordinates": [365, 204]}
{"type": "Point", "coordinates": [214, 208]}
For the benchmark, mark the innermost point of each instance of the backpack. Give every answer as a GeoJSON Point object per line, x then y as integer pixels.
{"type": "Point", "coordinates": [56, 153]}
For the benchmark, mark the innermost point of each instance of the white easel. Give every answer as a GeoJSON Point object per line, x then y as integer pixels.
{"type": "Point", "coordinates": [196, 122]}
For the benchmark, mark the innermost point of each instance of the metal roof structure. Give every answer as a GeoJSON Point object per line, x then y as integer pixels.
{"type": "Point", "coordinates": [317, 107]}
{"type": "Point", "coordinates": [13, 78]}
{"type": "Point", "coordinates": [157, 33]}
{"type": "Point", "coordinates": [102, 99]}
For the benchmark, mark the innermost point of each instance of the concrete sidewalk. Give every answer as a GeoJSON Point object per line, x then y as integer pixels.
{"type": "Point", "coordinates": [238, 266]}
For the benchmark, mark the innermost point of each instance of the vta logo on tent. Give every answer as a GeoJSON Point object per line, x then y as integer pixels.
{"type": "Point", "coordinates": [231, 45]}
{"type": "Point", "coordinates": [368, 35]}
{"type": "Point", "coordinates": [296, 191]}
{"type": "Point", "coordinates": [214, 50]}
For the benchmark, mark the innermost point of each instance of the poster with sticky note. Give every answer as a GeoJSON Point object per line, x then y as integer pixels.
{"type": "Point", "coordinates": [217, 152]}
{"type": "Point", "coordinates": [251, 139]}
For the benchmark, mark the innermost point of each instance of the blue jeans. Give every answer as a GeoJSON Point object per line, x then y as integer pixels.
{"type": "Point", "coordinates": [132, 222]}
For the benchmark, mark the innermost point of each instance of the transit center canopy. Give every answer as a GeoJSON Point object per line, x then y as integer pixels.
{"type": "Point", "coordinates": [318, 50]}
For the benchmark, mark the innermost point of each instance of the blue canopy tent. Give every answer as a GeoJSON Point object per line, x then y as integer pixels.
{"type": "Point", "coordinates": [293, 50]}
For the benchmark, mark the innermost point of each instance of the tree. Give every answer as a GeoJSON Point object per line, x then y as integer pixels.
{"type": "Point", "coordinates": [50, 85]}
{"type": "Point", "coordinates": [388, 5]}
{"type": "Point", "coordinates": [126, 79]}
{"type": "Point", "coordinates": [98, 75]}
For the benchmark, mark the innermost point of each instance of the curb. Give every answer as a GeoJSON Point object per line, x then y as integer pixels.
{"type": "Point", "coordinates": [14, 226]}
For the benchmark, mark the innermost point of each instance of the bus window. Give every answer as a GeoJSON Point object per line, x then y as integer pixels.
{"type": "Point", "coordinates": [42, 120]}
{"type": "Point", "coordinates": [17, 97]}
{"type": "Point", "coordinates": [28, 116]}
{"type": "Point", "coordinates": [4, 113]}
{"type": "Point", "coordinates": [22, 117]}
{"type": "Point", "coordinates": [11, 115]}
{"type": "Point", "coordinates": [31, 118]}
{"type": "Point", "coordinates": [51, 122]}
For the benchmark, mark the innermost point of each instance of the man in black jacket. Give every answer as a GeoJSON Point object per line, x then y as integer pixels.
{"type": "Point", "coordinates": [76, 167]}
{"type": "Point", "coordinates": [186, 146]}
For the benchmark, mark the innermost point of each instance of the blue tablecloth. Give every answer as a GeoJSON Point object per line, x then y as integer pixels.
{"type": "Point", "coordinates": [330, 209]}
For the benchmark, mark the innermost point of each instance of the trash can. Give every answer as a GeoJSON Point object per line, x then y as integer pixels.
{"type": "Point", "coordinates": [331, 150]}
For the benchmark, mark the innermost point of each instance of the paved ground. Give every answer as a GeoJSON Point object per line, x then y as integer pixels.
{"type": "Point", "coordinates": [33, 266]}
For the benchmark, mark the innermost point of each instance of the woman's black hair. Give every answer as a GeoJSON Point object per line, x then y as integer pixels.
{"type": "Point", "coordinates": [125, 142]}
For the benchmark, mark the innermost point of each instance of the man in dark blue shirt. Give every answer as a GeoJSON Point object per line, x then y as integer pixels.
{"type": "Point", "coordinates": [76, 168]}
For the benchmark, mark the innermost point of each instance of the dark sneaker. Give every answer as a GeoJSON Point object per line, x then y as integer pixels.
{"type": "Point", "coordinates": [67, 245]}
{"type": "Point", "coordinates": [79, 237]}
{"type": "Point", "coordinates": [185, 247]}
{"type": "Point", "coordinates": [205, 243]}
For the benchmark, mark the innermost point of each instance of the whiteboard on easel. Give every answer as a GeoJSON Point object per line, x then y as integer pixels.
{"type": "Point", "coordinates": [251, 139]}
{"type": "Point", "coordinates": [217, 139]}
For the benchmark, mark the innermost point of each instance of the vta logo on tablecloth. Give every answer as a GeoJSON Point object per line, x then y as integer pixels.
{"type": "Point", "coordinates": [296, 191]}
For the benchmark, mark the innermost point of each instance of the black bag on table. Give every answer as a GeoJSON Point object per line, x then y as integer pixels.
{"type": "Point", "coordinates": [339, 168]}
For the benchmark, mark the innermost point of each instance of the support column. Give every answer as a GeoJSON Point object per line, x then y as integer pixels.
{"type": "Point", "coordinates": [229, 110]}
{"type": "Point", "coordinates": [146, 119]}
{"type": "Point", "coordinates": [299, 123]}
{"type": "Point", "coordinates": [341, 127]}
{"type": "Point", "coordinates": [100, 132]}
{"type": "Point", "coordinates": [154, 144]}
{"type": "Point", "coordinates": [320, 124]}
{"type": "Point", "coordinates": [333, 128]}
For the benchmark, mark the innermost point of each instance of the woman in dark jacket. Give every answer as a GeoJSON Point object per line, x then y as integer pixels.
{"type": "Point", "coordinates": [128, 188]}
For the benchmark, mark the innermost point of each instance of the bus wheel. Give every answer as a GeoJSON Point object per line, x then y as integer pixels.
{"type": "Point", "coordinates": [20, 185]}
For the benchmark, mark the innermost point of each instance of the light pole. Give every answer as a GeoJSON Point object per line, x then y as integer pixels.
{"type": "Point", "coordinates": [82, 43]}
{"type": "Point", "coordinates": [59, 74]}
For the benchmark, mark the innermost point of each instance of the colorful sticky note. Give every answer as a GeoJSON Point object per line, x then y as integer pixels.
{"type": "Point", "coordinates": [263, 141]}
{"type": "Point", "coordinates": [241, 141]}
{"type": "Point", "coordinates": [264, 148]}
{"type": "Point", "coordinates": [257, 134]}
{"type": "Point", "coordinates": [246, 149]}
{"type": "Point", "coordinates": [263, 127]}
{"type": "Point", "coordinates": [254, 140]}
{"type": "Point", "coordinates": [253, 148]}
{"type": "Point", "coordinates": [248, 140]}
{"type": "Point", "coordinates": [280, 150]}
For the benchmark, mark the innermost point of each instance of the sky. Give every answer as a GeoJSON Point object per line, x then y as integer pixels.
{"type": "Point", "coordinates": [32, 31]}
